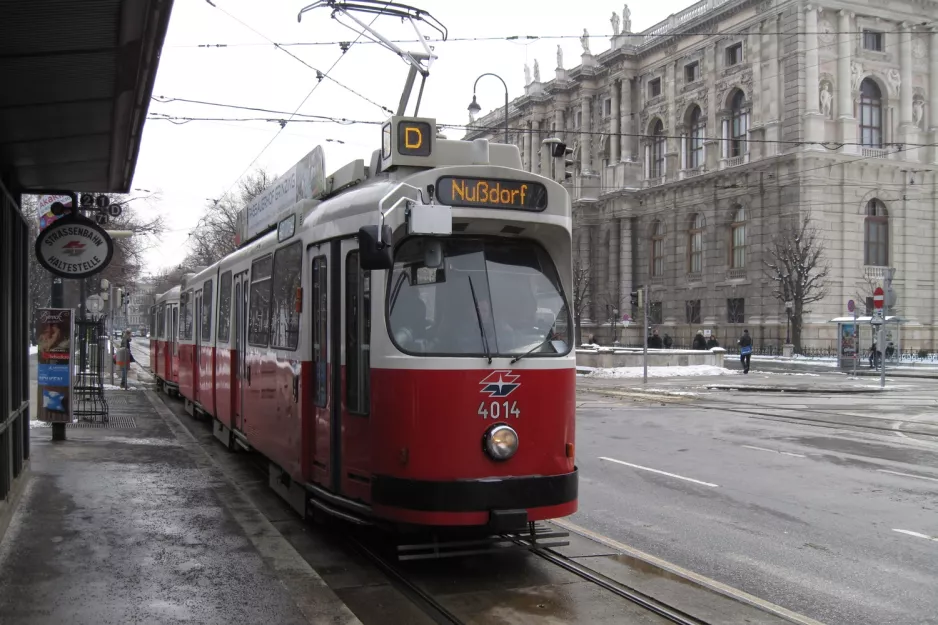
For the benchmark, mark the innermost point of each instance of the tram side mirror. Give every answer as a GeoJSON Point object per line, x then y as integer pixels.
{"type": "Point", "coordinates": [433, 255]}
{"type": "Point", "coordinates": [374, 255]}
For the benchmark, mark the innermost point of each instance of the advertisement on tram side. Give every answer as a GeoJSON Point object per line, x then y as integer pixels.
{"type": "Point", "coordinates": [56, 329]}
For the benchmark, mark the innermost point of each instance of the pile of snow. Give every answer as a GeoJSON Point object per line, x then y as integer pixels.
{"type": "Point", "coordinates": [659, 372]}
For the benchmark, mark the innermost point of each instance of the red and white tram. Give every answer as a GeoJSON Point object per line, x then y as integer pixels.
{"type": "Point", "coordinates": [398, 341]}
{"type": "Point", "coordinates": [164, 348]}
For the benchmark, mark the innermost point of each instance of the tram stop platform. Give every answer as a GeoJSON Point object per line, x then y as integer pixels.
{"type": "Point", "coordinates": [132, 522]}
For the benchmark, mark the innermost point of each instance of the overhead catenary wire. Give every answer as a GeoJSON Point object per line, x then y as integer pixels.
{"type": "Point", "coordinates": [830, 145]}
{"type": "Point", "coordinates": [300, 105]}
{"type": "Point", "coordinates": [512, 38]}
{"type": "Point", "coordinates": [320, 75]}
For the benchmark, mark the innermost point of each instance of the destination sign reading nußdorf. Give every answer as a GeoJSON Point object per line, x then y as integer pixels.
{"type": "Point", "coordinates": [74, 248]}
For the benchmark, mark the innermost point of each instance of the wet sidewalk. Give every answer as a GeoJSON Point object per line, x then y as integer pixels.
{"type": "Point", "coordinates": [134, 523]}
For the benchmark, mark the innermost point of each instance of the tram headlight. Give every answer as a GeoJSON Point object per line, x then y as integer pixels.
{"type": "Point", "coordinates": [500, 442]}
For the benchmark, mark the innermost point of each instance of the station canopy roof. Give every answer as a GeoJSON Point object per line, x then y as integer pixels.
{"type": "Point", "coordinates": [76, 78]}
{"type": "Point", "coordinates": [866, 319]}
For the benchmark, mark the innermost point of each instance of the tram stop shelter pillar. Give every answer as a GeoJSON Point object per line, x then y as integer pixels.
{"type": "Point", "coordinates": [856, 342]}
{"type": "Point", "coordinates": [76, 80]}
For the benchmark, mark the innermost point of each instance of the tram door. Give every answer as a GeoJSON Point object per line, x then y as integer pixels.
{"type": "Point", "coordinates": [174, 341]}
{"type": "Point", "coordinates": [239, 308]}
{"type": "Point", "coordinates": [355, 389]}
{"type": "Point", "coordinates": [319, 446]}
{"type": "Point", "coordinates": [197, 344]}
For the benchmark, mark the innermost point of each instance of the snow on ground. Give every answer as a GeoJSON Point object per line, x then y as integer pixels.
{"type": "Point", "coordinates": [33, 349]}
{"type": "Point", "coordinates": [659, 372]}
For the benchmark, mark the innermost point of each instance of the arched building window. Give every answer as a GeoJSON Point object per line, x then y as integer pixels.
{"type": "Point", "coordinates": [739, 122]}
{"type": "Point", "coordinates": [654, 151]}
{"type": "Point", "coordinates": [738, 239]}
{"type": "Point", "coordinates": [695, 140]}
{"type": "Point", "coordinates": [695, 244]}
{"type": "Point", "coordinates": [657, 249]}
{"type": "Point", "coordinates": [876, 234]}
{"type": "Point", "coordinates": [871, 114]}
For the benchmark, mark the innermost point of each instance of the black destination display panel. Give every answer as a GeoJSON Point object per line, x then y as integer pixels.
{"type": "Point", "coordinates": [491, 193]}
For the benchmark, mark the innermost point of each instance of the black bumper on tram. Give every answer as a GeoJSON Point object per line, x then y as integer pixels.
{"type": "Point", "coordinates": [475, 495]}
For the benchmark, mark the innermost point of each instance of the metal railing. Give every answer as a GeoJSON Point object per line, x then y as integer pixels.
{"type": "Point", "coordinates": [90, 403]}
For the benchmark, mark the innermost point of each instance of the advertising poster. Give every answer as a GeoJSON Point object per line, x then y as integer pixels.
{"type": "Point", "coordinates": [55, 331]}
{"type": "Point", "coordinates": [848, 342]}
{"type": "Point", "coordinates": [45, 208]}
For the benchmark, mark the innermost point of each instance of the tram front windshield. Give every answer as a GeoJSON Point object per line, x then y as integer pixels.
{"type": "Point", "coordinates": [477, 297]}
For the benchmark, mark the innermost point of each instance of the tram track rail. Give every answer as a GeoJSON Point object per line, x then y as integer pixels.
{"type": "Point", "coordinates": [862, 422]}
{"type": "Point", "coordinates": [420, 597]}
{"type": "Point", "coordinates": [827, 423]}
{"type": "Point", "coordinates": [662, 609]}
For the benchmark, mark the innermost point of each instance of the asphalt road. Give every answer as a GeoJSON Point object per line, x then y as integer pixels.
{"type": "Point", "coordinates": [835, 522]}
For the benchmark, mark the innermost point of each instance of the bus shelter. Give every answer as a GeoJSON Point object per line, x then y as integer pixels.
{"type": "Point", "coordinates": [855, 338]}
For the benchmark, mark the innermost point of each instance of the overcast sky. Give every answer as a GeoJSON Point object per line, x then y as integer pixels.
{"type": "Point", "coordinates": [192, 162]}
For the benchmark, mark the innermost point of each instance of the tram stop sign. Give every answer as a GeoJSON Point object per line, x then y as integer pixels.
{"type": "Point", "coordinates": [878, 298]}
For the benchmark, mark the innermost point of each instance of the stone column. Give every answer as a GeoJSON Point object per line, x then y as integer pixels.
{"type": "Point", "coordinates": [755, 42]}
{"type": "Point", "coordinates": [585, 143]}
{"type": "Point", "coordinates": [527, 141]}
{"type": "Point", "coordinates": [933, 92]}
{"type": "Point", "coordinates": [545, 149]}
{"type": "Point", "coordinates": [616, 126]}
{"type": "Point", "coordinates": [596, 272]}
{"type": "Point", "coordinates": [625, 256]}
{"type": "Point", "coordinates": [626, 126]}
{"type": "Point", "coordinates": [811, 60]}
{"type": "Point", "coordinates": [585, 259]}
{"type": "Point", "coordinates": [612, 279]}
{"type": "Point", "coordinates": [905, 74]}
{"type": "Point", "coordinates": [847, 122]}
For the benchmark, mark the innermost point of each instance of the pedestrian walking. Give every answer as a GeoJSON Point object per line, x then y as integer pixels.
{"type": "Point", "coordinates": [668, 341]}
{"type": "Point", "coordinates": [712, 342]}
{"type": "Point", "coordinates": [654, 341]}
{"type": "Point", "coordinates": [745, 350]}
{"type": "Point", "coordinates": [699, 341]}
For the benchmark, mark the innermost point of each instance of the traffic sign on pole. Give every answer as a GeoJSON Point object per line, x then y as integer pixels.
{"type": "Point", "coordinates": [878, 298]}
{"type": "Point", "coordinates": [851, 306]}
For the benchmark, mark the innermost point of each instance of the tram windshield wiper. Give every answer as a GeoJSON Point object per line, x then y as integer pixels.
{"type": "Point", "coordinates": [485, 340]}
{"type": "Point", "coordinates": [550, 337]}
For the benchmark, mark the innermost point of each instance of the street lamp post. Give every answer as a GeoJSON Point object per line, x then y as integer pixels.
{"type": "Point", "coordinates": [474, 107]}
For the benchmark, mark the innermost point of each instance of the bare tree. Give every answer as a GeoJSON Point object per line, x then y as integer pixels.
{"type": "Point", "coordinates": [216, 232]}
{"type": "Point", "coordinates": [798, 270]}
{"type": "Point", "coordinates": [582, 291]}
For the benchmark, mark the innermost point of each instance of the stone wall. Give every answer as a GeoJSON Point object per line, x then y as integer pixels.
{"type": "Point", "coordinates": [607, 357]}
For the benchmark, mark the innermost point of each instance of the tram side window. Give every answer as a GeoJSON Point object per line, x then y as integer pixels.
{"type": "Point", "coordinates": [207, 311]}
{"type": "Point", "coordinates": [160, 321]}
{"type": "Point", "coordinates": [320, 327]}
{"type": "Point", "coordinates": [224, 307]}
{"type": "Point", "coordinates": [186, 316]}
{"type": "Point", "coordinates": [285, 324]}
{"type": "Point", "coordinates": [173, 330]}
{"type": "Point", "coordinates": [259, 312]}
{"type": "Point", "coordinates": [357, 334]}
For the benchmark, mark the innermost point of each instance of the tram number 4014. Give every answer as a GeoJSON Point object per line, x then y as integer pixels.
{"type": "Point", "coordinates": [496, 410]}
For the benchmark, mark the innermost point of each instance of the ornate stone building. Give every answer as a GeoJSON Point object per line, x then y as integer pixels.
{"type": "Point", "coordinates": [697, 140]}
